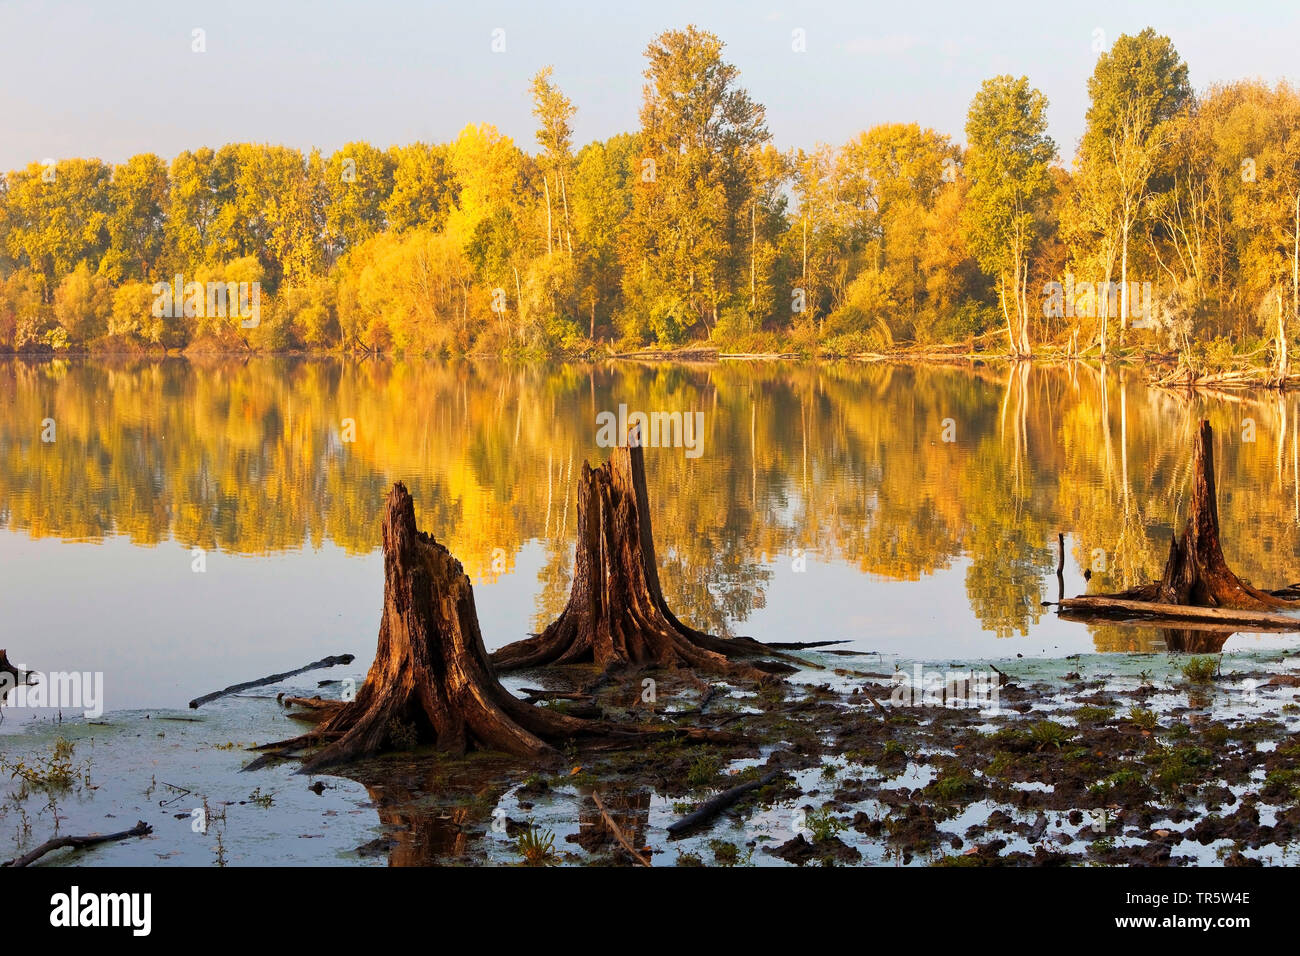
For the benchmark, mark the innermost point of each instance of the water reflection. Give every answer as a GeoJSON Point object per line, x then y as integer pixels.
{"type": "Point", "coordinates": [848, 463]}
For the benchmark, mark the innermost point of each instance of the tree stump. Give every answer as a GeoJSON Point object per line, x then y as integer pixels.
{"type": "Point", "coordinates": [431, 682]}
{"type": "Point", "coordinates": [616, 614]}
{"type": "Point", "coordinates": [10, 676]}
{"type": "Point", "coordinates": [1196, 573]}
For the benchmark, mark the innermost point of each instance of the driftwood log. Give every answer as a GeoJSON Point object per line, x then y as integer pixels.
{"type": "Point", "coordinates": [141, 829]}
{"type": "Point", "coordinates": [431, 682]}
{"type": "Point", "coordinates": [616, 614]}
{"type": "Point", "coordinates": [331, 661]}
{"type": "Point", "coordinates": [710, 809]}
{"type": "Point", "coordinates": [1197, 583]}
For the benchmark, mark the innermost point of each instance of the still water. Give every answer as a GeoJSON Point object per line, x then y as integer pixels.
{"type": "Point", "coordinates": [193, 524]}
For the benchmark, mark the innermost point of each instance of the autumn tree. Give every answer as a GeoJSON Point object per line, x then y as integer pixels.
{"type": "Point", "coordinates": [554, 112]}
{"type": "Point", "coordinates": [58, 216]}
{"type": "Point", "coordinates": [82, 302]}
{"type": "Point", "coordinates": [137, 211]}
{"type": "Point", "coordinates": [683, 248]}
{"type": "Point", "coordinates": [1135, 90]}
{"type": "Point", "coordinates": [423, 187]}
{"type": "Point", "coordinates": [357, 180]}
{"type": "Point", "coordinates": [1008, 164]}
{"type": "Point", "coordinates": [602, 200]}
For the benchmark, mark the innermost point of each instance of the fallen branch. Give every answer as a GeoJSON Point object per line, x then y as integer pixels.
{"type": "Point", "coordinates": [310, 703]}
{"type": "Point", "coordinates": [198, 702]}
{"type": "Point", "coordinates": [800, 645]}
{"type": "Point", "coordinates": [78, 843]}
{"type": "Point", "coordinates": [713, 807]}
{"type": "Point", "coordinates": [617, 832]}
{"type": "Point", "coordinates": [533, 694]}
{"type": "Point", "coordinates": [1119, 607]}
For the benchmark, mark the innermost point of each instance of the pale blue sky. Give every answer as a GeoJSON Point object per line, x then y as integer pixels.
{"type": "Point", "coordinates": [113, 79]}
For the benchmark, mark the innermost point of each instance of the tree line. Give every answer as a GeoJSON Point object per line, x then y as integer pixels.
{"type": "Point", "coordinates": [1176, 226]}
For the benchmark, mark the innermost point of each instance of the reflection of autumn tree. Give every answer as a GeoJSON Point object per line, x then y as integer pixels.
{"type": "Point", "coordinates": [1008, 508]}
{"type": "Point", "coordinates": [844, 460]}
{"type": "Point", "coordinates": [1117, 638]}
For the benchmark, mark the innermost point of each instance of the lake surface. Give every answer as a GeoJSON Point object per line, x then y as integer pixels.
{"type": "Point", "coordinates": [912, 511]}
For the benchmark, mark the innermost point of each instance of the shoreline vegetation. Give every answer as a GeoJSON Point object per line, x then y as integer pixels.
{"type": "Point", "coordinates": [1171, 238]}
{"type": "Point", "coordinates": [1221, 371]}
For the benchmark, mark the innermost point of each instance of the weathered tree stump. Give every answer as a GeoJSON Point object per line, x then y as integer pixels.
{"type": "Point", "coordinates": [431, 682]}
{"type": "Point", "coordinates": [616, 614]}
{"type": "Point", "coordinates": [10, 676]}
{"type": "Point", "coordinates": [1196, 574]}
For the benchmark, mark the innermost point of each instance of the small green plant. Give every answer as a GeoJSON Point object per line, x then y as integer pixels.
{"type": "Point", "coordinates": [260, 799]}
{"type": "Point", "coordinates": [535, 783]}
{"type": "Point", "coordinates": [1201, 670]}
{"type": "Point", "coordinates": [1093, 715]}
{"type": "Point", "coordinates": [953, 785]}
{"type": "Point", "coordinates": [55, 771]}
{"type": "Point", "coordinates": [1001, 764]}
{"type": "Point", "coordinates": [1145, 719]}
{"type": "Point", "coordinates": [1119, 781]}
{"type": "Point", "coordinates": [1282, 785]}
{"type": "Point", "coordinates": [829, 770]}
{"type": "Point", "coordinates": [1179, 766]}
{"type": "Point", "coordinates": [893, 753]}
{"type": "Point", "coordinates": [823, 824]}
{"type": "Point", "coordinates": [215, 820]}
{"type": "Point", "coordinates": [726, 853]}
{"type": "Point", "coordinates": [1048, 733]}
{"type": "Point", "coordinates": [537, 847]}
{"type": "Point", "coordinates": [704, 770]}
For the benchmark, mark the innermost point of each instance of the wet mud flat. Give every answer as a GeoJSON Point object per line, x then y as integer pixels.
{"type": "Point", "coordinates": [1100, 760]}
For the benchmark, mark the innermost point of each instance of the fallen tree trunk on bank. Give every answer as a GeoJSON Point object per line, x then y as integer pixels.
{"type": "Point", "coordinates": [431, 682]}
{"type": "Point", "coordinates": [616, 614]}
{"type": "Point", "coordinates": [1123, 608]}
{"type": "Point", "coordinates": [1197, 583]}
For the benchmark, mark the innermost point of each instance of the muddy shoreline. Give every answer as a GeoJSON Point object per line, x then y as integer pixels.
{"type": "Point", "coordinates": [1109, 760]}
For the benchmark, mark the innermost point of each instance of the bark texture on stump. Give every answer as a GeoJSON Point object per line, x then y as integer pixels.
{"type": "Point", "coordinates": [431, 681]}
{"type": "Point", "coordinates": [616, 614]}
{"type": "Point", "coordinates": [1196, 573]}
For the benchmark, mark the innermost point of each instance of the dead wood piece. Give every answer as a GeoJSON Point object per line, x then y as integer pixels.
{"type": "Point", "coordinates": [536, 693]}
{"type": "Point", "coordinates": [311, 703]}
{"type": "Point", "coordinates": [801, 645]}
{"type": "Point", "coordinates": [617, 832]}
{"type": "Point", "coordinates": [716, 805]}
{"type": "Point", "coordinates": [78, 843]}
{"type": "Point", "coordinates": [272, 679]}
{"type": "Point", "coordinates": [1157, 611]}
